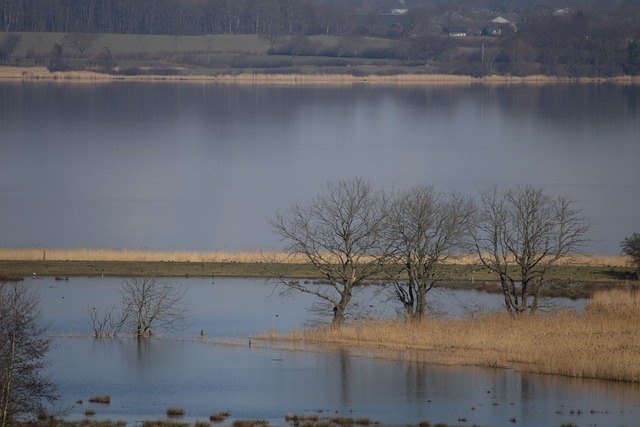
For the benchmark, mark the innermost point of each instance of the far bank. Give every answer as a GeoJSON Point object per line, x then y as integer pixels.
{"type": "Point", "coordinates": [569, 281]}
{"type": "Point", "coordinates": [36, 74]}
{"type": "Point", "coordinates": [52, 262]}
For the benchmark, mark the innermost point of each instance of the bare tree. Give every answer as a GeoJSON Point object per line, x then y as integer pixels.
{"type": "Point", "coordinates": [24, 344]}
{"type": "Point", "coordinates": [57, 60]}
{"type": "Point", "coordinates": [340, 234]}
{"type": "Point", "coordinates": [631, 248]}
{"type": "Point", "coordinates": [426, 227]}
{"type": "Point", "coordinates": [8, 46]}
{"type": "Point", "coordinates": [80, 41]}
{"type": "Point", "coordinates": [522, 56]}
{"type": "Point", "coordinates": [521, 234]}
{"type": "Point", "coordinates": [106, 323]}
{"type": "Point", "coordinates": [105, 59]}
{"type": "Point", "coordinates": [430, 48]}
{"type": "Point", "coordinates": [150, 303]}
{"type": "Point", "coordinates": [12, 12]}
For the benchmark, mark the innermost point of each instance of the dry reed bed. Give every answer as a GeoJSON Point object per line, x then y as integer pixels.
{"type": "Point", "coordinates": [600, 343]}
{"type": "Point", "coordinates": [593, 260]}
{"type": "Point", "coordinates": [41, 73]}
{"type": "Point", "coordinates": [106, 254]}
{"type": "Point", "coordinates": [89, 254]}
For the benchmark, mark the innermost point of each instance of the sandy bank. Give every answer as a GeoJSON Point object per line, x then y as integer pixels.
{"type": "Point", "coordinates": [10, 73]}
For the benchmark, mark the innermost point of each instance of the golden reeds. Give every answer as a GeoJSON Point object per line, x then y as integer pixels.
{"type": "Point", "coordinates": [599, 343]}
{"type": "Point", "coordinates": [107, 254]}
{"type": "Point", "coordinates": [592, 260]}
{"type": "Point", "coordinates": [42, 73]}
{"type": "Point", "coordinates": [175, 412]}
{"type": "Point", "coordinates": [219, 417]}
{"type": "Point", "coordinates": [100, 399]}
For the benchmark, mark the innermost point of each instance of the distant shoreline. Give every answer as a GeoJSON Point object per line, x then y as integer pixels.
{"type": "Point", "coordinates": [27, 74]}
{"type": "Point", "coordinates": [589, 271]}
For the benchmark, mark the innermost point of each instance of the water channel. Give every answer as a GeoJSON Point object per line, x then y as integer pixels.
{"type": "Point", "coordinates": [222, 372]}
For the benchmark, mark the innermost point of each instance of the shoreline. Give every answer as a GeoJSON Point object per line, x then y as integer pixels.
{"type": "Point", "coordinates": [35, 74]}
{"type": "Point", "coordinates": [587, 272]}
{"type": "Point", "coordinates": [596, 343]}
{"type": "Point", "coordinates": [42, 253]}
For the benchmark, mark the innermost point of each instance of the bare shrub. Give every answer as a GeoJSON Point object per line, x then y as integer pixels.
{"type": "Point", "coordinates": [175, 412]}
{"type": "Point", "coordinates": [106, 400]}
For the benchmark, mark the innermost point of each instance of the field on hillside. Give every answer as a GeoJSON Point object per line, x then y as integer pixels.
{"type": "Point", "coordinates": [41, 43]}
{"type": "Point", "coordinates": [210, 54]}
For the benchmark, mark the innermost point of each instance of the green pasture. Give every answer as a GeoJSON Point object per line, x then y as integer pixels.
{"type": "Point", "coordinates": [122, 44]}
{"type": "Point", "coordinates": [119, 44]}
{"type": "Point", "coordinates": [449, 272]}
{"type": "Point", "coordinates": [212, 55]}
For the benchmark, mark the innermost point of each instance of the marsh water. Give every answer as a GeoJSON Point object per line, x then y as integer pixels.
{"type": "Point", "coordinates": [203, 167]}
{"type": "Point", "coordinates": [221, 371]}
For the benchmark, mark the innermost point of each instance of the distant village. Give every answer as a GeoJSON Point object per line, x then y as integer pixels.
{"type": "Point", "coordinates": [514, 37]}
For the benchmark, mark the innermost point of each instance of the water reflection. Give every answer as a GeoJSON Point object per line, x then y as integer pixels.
{"type": "Point", "coordinates": [239, 307]}
{"type": "Point", "coordinates": [345, 395]}
{"type": "Point", "coordinates": [203, 166]}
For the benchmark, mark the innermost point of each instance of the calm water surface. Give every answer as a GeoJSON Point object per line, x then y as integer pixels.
{"type": "Point", "coordinates": [185, 370]}
{"type": "Point", "coordinates": [168, 166]}
{"type": "Point", "coordinates": [165, 166]}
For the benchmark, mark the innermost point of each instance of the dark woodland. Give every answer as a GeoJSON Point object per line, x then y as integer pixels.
{"type": "Point", "coordinates": [510, 37]}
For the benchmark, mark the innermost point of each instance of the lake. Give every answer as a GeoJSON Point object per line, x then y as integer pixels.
{"type": "Point", "coordinates": [203, 166]}
{"type": "Point", "coordinates": [261, 381]}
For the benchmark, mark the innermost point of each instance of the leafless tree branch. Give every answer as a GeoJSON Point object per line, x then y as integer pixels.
{"type": "Point", "coordinates": [521, 234]}
{"type": "Point", "coordinates": [150, 304]}
{"type": "Point", "coordinates": [340, 234]}
{"type": "Point", "coordinates": [24, 344]}
{"type": "Point", "coordinates": [425, 227]}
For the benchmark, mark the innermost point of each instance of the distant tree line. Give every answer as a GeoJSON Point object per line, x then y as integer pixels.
{"type": "Point", "coordinates": [176, 17]}
{"type": "Point", "coordinates": [575, 44]}
{"type": "Point", "coordinates": [199, 17]}
{"type": "Point", "coordinates": [591, 38]}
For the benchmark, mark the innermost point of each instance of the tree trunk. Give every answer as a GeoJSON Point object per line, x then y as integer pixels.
{"type": "Point", "coordinates": [6, 386]}
{"type": "Point", "coordinates": [339, 309]}
{"type": "Point", "coordinates": [421, 301]}
{"type": "Point", "coordinates": [5, 397]}
{"type": "Point", "coordinates": [506, 291]}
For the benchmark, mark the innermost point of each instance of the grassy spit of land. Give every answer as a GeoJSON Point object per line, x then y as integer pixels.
{"type": "Point", "coordinates": [243, 59]}
{"type": "Point", "coordinates": [600, 343]}
{"type": "Point", "coordinates": [588, 271]}
{"type": "Point", "coordinates": [16, 73]}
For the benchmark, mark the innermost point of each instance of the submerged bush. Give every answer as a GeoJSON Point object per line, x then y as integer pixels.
{"type": "Point", "coordinates": [100, 399]}
{"type": "Point", "coordinates": [250, 423]}
{"type": "Point", "coordinates": [175, 412]}
{"type": "Point", "coordinates": [219, 416]}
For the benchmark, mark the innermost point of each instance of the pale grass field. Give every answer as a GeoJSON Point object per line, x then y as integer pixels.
{"type": "Point", "coordinates": [41, 73]}
{"type": "Point", "coordinates": [90, 254]}
{"type": "Point", "coordinates": [107, 254]}
{"type": "Point", "coordinates": [593, 260]}
{"type": "Point", "coordinates": [600, 343]}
